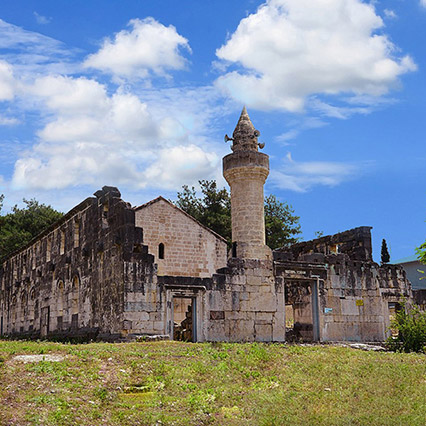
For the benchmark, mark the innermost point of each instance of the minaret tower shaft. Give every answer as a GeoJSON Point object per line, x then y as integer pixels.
{"type": "Point", "coordinates": [246, 170]}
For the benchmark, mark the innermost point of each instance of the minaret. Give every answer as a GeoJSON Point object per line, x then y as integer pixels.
{"type": "Point", "coordinates": [246, 171]}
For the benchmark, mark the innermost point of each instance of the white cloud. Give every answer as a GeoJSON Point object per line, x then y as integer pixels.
{"type": "Point", "coordinates": [390, 14]}
{"type": "Point", "coordinates": [31, 53]}
{"type": "Point", "coordinates": [149, 47]}
{"type": "Point", "coordinates": [290, 50]}
{"type": "Point", "coordinates": [94, 138]}
{"type": "Point", "coordinates": [297, 127]}
{"type": "Point", "coordinates": [42, 20]}
{"type": "Point", "coordinates": [68, 95]}
{"type": "Point", "coordinates": [7, 82]}
{"type": "Point", "coordinates": [179, 165]}
{"type": "Point", "coordinates": [302, 176]}
{"type": "Point", "coordinates": [423, 3]}
{"type": "Point", "coordinates": [8, 121]}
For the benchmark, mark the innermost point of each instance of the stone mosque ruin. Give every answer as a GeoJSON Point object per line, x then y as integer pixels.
{"type": "Point", "coordinates": [110, 271]}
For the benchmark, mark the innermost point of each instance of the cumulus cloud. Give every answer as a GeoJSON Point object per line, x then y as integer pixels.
{"type": "Point", "coordinates": [302, 176]}
{"type": "Point", "coordinates": [96, 138]}
{"type": "Point", "coordinates": [149, 47]}
{"type": "Point", "coordinates": [290, 50]}
{"type": "Point", "coordinates": [7, 82]}
{"type": "Point", "coordinates": [182, 162]}
{"type": "Point", "coordinates": [423, 3]}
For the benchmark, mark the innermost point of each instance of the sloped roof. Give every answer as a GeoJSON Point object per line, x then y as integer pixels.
{"type": "Point", "coordinates": [408, 259]}
{"type": "Point", "coordinates": [160, 198]}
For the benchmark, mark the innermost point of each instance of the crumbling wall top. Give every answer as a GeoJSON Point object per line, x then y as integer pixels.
{"type": "Point", "coordinates": [356, 243]}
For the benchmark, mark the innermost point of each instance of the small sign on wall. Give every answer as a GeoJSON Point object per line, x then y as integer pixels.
{"type": "Point", "coordinates": [328, 310]}
{"type": "Point", "coordinates": [359, 302]}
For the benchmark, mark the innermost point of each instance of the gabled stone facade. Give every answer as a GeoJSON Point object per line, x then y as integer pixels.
{"type": "Point", "coordinates": [109, 271]}
{"type": "Point", "coordinates": [181, 245]}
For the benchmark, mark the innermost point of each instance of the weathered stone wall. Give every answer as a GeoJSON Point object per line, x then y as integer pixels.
{"type": "Point", "coordinates": [190, 249]}
{"type": "Point", "coordinates": [241, 303]}
{"type": "Point", "coordinates": [419, 297]}
{"type": "Point", "coordinates": [69, 281]}
{"type": "Point", "coordinates": [353, 295]}
{"type": "Point", "coordinates": [356, 243]}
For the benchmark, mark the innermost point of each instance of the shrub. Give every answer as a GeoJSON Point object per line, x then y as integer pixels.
{"type": "Point", "coordinates": [410, 322]}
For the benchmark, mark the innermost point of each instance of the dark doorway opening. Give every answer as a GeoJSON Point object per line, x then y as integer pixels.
{"type": "Point", "coordinates": [301, 311]}
{"type": "Point", "coordinates": [45, 321]}
{"type": "Point", "coordinates": [184, 315]}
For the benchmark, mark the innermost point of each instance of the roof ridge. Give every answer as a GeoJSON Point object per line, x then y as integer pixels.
{"type": "Point", "coordinates": [155, 200]}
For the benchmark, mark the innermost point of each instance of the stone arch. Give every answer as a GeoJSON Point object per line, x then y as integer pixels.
{"type": "Point", "coordinates": [60, 289]}
{"type": "Point", "coordinates": [31, 302]}
{"type": "Point", "coordinates": [23, 309]}
{"type": "Point", "coordinates": [75, 301]}
{"type": "Point", "coordinates": [13, 312]}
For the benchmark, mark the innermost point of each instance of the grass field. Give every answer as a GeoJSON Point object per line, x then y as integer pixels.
{"type": "Point", "coordinates": [166, 383]}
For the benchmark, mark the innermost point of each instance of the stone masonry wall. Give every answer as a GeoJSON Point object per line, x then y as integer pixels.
{"type": "Point", "coordinates": [241, 303]}
{"type": "Point", "coordinates": [190, 249]}
{"type": "Point", "coordinates": [69, 281]}
{"type": "Point", "coordinates": [356, 243]}
{"type": "Point", "coordinates": [353, 296]}
{"type": "Point", "coordinates": [246, 173]}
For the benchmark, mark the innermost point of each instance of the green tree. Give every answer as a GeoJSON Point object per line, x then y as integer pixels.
{"type": "Point", "coordinates": [421, 253]}
{"type": "Point", "coordinates": [281, 224]}
{"type": "Point", "coordinates": [385, 257]}
{"type": "Point", "coordinates": [213, 209]}
{"type": "Point", "coordinates": [410, 322]}
{"type": "Point", "coordinates": [21, 225]}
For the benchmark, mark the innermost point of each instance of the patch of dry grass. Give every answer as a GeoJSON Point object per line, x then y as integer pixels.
{"type": "Point", "coordinates": [173, 383]}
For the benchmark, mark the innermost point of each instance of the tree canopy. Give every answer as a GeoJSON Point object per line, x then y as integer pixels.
{"type": "Point", "coordinates": [213, 209]}
{"type": "Point", "coordinates": [23, 224]}
{"type": "Point", "coordinates": [385, 257]}
{"type": "Point", "coordinates": [421, 253]}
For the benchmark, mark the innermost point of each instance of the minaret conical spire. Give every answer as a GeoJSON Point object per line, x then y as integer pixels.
{"type": "Point", "coordinates": [245, 135]}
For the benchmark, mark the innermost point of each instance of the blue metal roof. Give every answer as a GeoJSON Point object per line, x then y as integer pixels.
{"type": "Point", "coordinates": [408, 259]}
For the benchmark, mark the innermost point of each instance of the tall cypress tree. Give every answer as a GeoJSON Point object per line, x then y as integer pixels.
{"type": "Point", "coordinates": [385, 252]}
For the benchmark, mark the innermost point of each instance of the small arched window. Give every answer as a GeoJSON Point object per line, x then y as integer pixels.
{"type": "Point", "coordinates": [161, 251]}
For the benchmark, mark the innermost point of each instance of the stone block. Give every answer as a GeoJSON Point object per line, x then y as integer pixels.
{"type": "Point", "coordinates": [216, 331]}
{"type": "Point", "coordinates": [263, 332]}
{"type": "Point", "coordinates": [265, 316]}
{"type": "Point", "coordinates": [159, 326]}
{"type": "Point", "coordinates": [254, 280]}
{"type": "Point", "coordinates": [263, 302]}
{"type": "Point", "coordinates": [241, 330]}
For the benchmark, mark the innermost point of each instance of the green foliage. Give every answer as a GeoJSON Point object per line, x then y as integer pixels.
{"type": "Point", "coordinates": [281, 224]}
{"type": "Point", "coordinates": [385, 257]}
{"type": "Point", "coordinates": [410, 322]}
{"type": "Point", "coordinates": [421, 253]}
{"type": "Point", "coordinates": [213, 210]}
{"type": "Point", "coordinates": [21, 225]}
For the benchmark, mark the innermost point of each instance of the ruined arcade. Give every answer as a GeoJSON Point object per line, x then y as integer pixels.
{"type": "Point", "coordinates": [111, 271]}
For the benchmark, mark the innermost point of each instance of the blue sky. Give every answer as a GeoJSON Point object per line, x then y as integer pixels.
{"type": "Point", "coordinates": [139, 94]}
